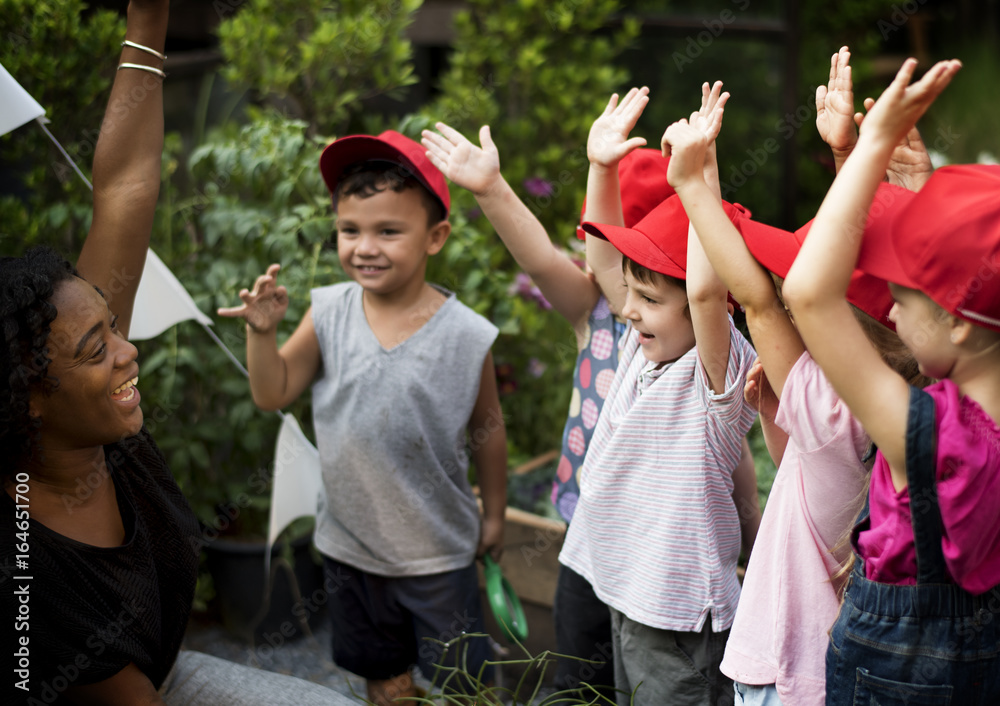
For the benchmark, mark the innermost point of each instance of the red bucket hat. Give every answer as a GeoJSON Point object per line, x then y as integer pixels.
{"type": "Point", "coordinates": [658, 241]}
{"type": "Point", "coordinates": [390, 146]}
{"type": "Point", "coordinates": [945, 243]}
{"type": "Point", "coordinates": [642, 175]}
{"type": "Point", "coordinates": [776, 250]}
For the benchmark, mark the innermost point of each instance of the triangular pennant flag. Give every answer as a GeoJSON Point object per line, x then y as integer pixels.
{"type": "Point", "coordinates": [18, 107]}
{"type": "Point", "coordinates": [161, 302]}
{"type": "Point", "coordinates": [297, 489]}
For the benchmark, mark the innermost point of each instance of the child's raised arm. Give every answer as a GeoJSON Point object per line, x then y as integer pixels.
{"type": "Point", "coordinates": [689, 144]}
{"type": "Point", "coordinates": [817, 283]}
{"type": "Point", "coordinates": [607, 145]}
{"type": "Point", "coordinates": [277, 378]}
{"type": "Point", "coordinates": [570, 291]}
{"type": "Point", "coordinates": [778, 344]}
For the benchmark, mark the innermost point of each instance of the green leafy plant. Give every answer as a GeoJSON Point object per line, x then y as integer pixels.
{"type": "Point", "coordinates": [519, 67]}
{"type": "Point", "coordinates": [529, 688]}
{"type": "Point", "coordinates": [55, 205]}
{"type": "Point", "coordinates": [244, 199]}
{"type": "Point", "coordinates": [322, 56]}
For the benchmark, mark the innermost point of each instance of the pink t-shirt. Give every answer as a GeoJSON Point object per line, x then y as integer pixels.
{"type": "Point", "coordinates": [789, 601]}
{"type": "Point", "coordinates": [968, 485]}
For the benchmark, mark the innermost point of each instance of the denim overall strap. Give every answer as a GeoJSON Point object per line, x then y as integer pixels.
{"type": "Point", "coordinates": [921, 472]}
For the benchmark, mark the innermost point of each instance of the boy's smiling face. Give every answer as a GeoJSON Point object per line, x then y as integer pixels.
{"type": "Point", "coordinates": [658, 311]}
{"type": "Point", "coordinates": [383, 240]}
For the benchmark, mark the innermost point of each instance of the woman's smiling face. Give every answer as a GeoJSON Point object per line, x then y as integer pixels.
{"type": "Point", "coordinates": [96, 401]}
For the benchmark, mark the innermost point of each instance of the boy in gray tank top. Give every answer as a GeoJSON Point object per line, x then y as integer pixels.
{"type": "Point", "coordinates": [401, 372]}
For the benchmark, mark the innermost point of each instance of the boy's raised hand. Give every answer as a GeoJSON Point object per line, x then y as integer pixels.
{"type": "Point", "coordinates": [901, 105]}
{"type": "Point", "coordinates": [835, 107]}
{"type": "Point", "coordinates": [265, 306]}
{"type": "Point", "coordinates": [608, 141]}
{"type": "Point", "coordinates": [910, 164]}
{"type": "Point", "coordinates": [687, 142]}
{"type": "Point", "coordinates": [473, 168]}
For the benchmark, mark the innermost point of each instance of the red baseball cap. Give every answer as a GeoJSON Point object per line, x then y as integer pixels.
{"type": "Point", "coordinates": [776, 249]}
{"type": "Point", "coordinates": [642, 176]}
{"type": "Point", "coordinates": [658, 241]}
{"type": "Point", "coordinates": [945, 243]}
{"type": "Point", "coordinates": [390, 146]}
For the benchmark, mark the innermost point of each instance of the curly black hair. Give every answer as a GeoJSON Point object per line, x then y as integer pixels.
{"type": "Point", "coordinates": [27, 284]}
{"type": "Point", "coordinates": [364, 179]}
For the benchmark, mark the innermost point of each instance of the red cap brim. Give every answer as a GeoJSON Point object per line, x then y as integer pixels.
{"type": "Point", "coordinates": [776, 249]}
{"type": "Point", "coordinates": [638, 247]}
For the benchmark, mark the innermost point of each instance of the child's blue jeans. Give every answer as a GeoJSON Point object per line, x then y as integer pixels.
{"type": "Point", "coordinates": [926, 645]}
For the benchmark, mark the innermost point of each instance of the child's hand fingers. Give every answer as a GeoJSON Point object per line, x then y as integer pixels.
{"type": "Point", "coordinates": [437, 152]}
{"type": "Point", "coordinates": [260, 285]}
{"type": "Point", "coordinates": [904, 75]}
{"type": "Point", "coordinates": [820, 99]}
{"type": "Point", "coordinates": [232, 311]}
{"type": "Point", "coordinates": [434, 141]}
{"type": "Point", "coordinates": [612, 103]}
{"type": "Point", "coordinates": [437, 161]}
{"type": "Point", "coordinates": [634, 94]}
{"type": "Point", "coordinates": [450, 133]}
{"type": "Point", "coordinates": [632, 144]}
{"type": "Point", "coordinates": [631, 112]}
{"type": "Point", "coordinates": [714, 95]}
{"type": "Point", "coordinates": [486, 139]}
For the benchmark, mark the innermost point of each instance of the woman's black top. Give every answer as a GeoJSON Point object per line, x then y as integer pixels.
{"type": "Point", "coordinates": [90, 611]}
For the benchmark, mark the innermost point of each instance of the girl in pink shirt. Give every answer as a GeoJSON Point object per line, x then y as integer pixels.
{"type": "Point", "coordinates": [918, 623]}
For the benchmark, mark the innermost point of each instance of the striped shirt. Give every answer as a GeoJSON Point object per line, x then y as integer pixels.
{"type": "Point", "coordinates": [656, 531]}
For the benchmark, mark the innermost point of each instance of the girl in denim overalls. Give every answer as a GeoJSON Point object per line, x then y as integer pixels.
{"type": "Point", "coordinates": [920, 623]}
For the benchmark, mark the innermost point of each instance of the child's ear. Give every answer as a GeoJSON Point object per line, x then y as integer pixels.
{"type": "Point", "coordinates": [962, 331]}
{"type": "Point", "coordinates": [438, 236]}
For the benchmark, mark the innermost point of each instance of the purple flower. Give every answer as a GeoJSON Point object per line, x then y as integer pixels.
{"type": "Point", "coordinates": [536, 368]}
{"type": "Point", "coordinates": [538, 187]}
{"type": "Point", "coordinates": [523, 287]}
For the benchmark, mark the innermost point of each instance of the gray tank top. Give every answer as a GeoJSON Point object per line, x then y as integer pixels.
{"type": "Point", "coordinates": [391, 431]}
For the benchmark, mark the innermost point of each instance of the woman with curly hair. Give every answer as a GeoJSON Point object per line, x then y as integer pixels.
{"type": "Point", "coordinates": [99, 548]}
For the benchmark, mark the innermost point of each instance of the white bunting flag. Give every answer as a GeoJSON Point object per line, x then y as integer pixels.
{"type": "Point", "coordinates": [161, 302]}
{"type": "Point", "coordinates": [297, 489]}
{"type": "Point", "coordinates": [17, 107]}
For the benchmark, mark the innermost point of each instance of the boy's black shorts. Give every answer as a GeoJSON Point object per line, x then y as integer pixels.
{"type": "Point", "coordinates": [382, 625]}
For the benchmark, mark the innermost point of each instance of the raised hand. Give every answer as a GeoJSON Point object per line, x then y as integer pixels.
{"type": "Point", "coordinates": [709, 116]}
{"type": "Point", "coordinates": [909, 165]}
{"type": "Point", "coordinates": [712, 100]}
{"type": "Point", "coordinates": [687, 142]}
{"type": "Point", "coordinates": [474, 168]}
{"type": "Point", "coordinates": [835, 107]}
{"type": "Point", "coordinates": [901, 105]}
{"type": "Point", "coordinates": [265, 306]}
{"type": "Point", "coordinates": [608, 141]}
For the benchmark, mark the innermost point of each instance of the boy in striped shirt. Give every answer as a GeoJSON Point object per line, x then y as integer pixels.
{"type": "Point", "coordinates": [656, 531]}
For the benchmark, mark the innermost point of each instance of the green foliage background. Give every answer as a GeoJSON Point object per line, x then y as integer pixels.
{"type": "Point", "coordinates": [73, 87]}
